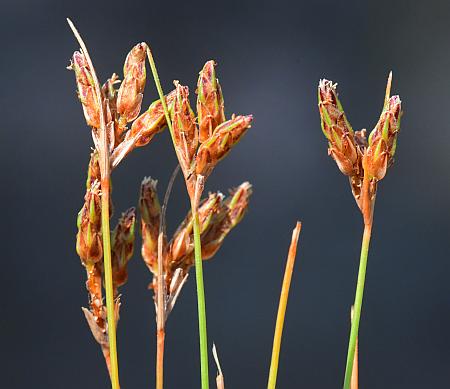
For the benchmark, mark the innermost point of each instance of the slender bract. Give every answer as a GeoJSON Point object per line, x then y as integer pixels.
{"type": "Point", "coordinates": [282, 307]}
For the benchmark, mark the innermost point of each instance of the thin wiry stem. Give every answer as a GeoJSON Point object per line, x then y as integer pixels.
{"type": "Point", "coordinates": [282, 307]}
{"type": "Point", "coordinates": [106, 233]}
{"type": "Point", "coordinates": [197, 244]}
{"type": "Point", "coordinates": [161, 288]}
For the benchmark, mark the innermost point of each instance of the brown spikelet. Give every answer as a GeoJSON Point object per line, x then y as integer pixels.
{"type": "Point", "coordinates": [210, 105]}
{"type": "Point", "coordinates": [129, 98]}
{"type": "Point", "coordinates": [220, 143]}
{"type": "Point", "coordinates": [86, 89]}
{"type": "Point", "coordinates": [150, 210]}
{"type": "Point", "coordinates": [185, 131]}
{"type": "Point", "coordinates": [122, 243]}
{"type": "Point", "coordinates": [337, 129]}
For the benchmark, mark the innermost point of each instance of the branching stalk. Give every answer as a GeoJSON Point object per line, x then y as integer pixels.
{"type": "Point", "coordinates": [282, 307]}
{"type": "Point", "coordinates": [197, 244]}
{"type": "Point", "coordinates": [106, 233]}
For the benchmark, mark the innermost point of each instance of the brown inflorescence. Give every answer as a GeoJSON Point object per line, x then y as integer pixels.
{"type": "Point", "coordinates": [355, 155]}
{"type": "Point", "coordinates": [217, 217]}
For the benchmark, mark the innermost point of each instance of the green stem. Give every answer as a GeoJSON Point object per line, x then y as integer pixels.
{"type": "Point", "coordinates": [357, 304]}
{"type": "Point", "coordinates": [110, 305]}
{"type": "Point", "coordinates": [200, 301]}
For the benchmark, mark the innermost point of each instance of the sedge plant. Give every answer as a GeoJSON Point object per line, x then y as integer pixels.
{"type": "Point", "coordinates": [112, 111]}
{"type": "Point", "coordinates": [365, 161]}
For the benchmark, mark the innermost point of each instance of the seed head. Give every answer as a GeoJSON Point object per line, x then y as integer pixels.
{"type": "Point", "coordinates": [122, 243]}
{"type": "Point", "coordinates": [131, 90]}
{"type": "Point", "coordinates": [150, 220]}
{"type": "Point", "coordinates": [86, 89]}
{"type": "Point", "coordinates": [383, 140]}
{"type": "Point", "coordinates": [221, 142]}
{"type": "Point", "coordinates": [337, 129]}
{"type": "Point", "coordinates": [210, 105]}
{"type": "Point", "coordinates": [185, 130]}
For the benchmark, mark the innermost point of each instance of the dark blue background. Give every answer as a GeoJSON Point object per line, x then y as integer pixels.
{"type": "Point", "coordinates": [271, 56]}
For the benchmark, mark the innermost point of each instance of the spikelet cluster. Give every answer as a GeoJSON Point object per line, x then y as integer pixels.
{"type": "Point", "coordinates": [217, 215]}
{"type": "Point", "coordinates": [356, 156]}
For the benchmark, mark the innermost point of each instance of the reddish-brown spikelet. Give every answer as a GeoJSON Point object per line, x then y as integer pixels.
{"type": "Point", "coordinates": [221, 142]}
{"type": "Point", "coordinates": [150, 210]}
{"type": "Point", "coordinates": [185, 131]}
{"type": "Point", "coordinates": [122, 243]}
{"type": "Point", "coordinates": [383, 139]}
{"type": "Point", "coordinates": [151, 122]}
{"type": "Point", "coordinates": [129, 98]}
{"type": "Point", "coordinates": [337, 129]}
{"type": "Point", "coordinates": [182, 244]}
{"type": "Point", "coordinates": [210, 105]}
{"type": "Point", "coordinates": [234, 209]}
{"type": "Point", "coordinates": [86, 89]}
{"type": "Point", "coordinates": [217, 218]}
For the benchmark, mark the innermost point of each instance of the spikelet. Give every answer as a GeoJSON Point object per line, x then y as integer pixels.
{"type": "Point", "coordinates": [220, 143]}
{"type": "Point", "coordinates": [129, 98]}
{"type": "Point", "coordinates": [337, 130]}
{"type": "Point", "coordinates": [185, 131]}
{"type": "Point", "coordinates": [150, 210]}
{"type": "Point", "coordinates": [86, 89]}
{"type": "Point", "coordinates": [122, 243]}
{"type": "Point", "coordinates": [383, 140]}
{"type": "Point", "coordinates": [210, 105]}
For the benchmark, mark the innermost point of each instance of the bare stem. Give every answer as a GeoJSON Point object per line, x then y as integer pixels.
{"type": "Point", "coordinates": [201, 304]}
{"type": "Point", "coordinates": [354, 380]}
{"type": "Point", "coordinates": [282, 307]}
{"type": "Point", "coordinates": [106, 233]}
{"type": "Point", "coordinates": [368, 205]}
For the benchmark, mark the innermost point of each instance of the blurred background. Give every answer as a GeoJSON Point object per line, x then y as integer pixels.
{"type": "Point", "coordinates": [271, 56]}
